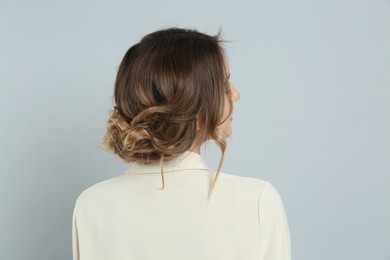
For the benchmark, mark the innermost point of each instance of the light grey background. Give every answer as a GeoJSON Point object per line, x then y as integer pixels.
{"type": "Point", "coordinates": [313, 118]}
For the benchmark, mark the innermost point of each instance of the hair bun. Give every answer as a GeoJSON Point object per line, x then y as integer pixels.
{"type": "Point", "coordinates": [129, 142]}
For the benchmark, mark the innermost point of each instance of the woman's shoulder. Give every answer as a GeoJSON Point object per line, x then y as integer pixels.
{"type": "Point", "coordinates": [250, 187]}
{"type": "Point", "coordinates": [242, 180]}
{"type": "Point", "coordinates": [245, 183]}
{"type": "Point", "coordinates": [98, 190]}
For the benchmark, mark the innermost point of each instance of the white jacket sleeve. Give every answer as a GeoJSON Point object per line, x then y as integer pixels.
{"type": "Point", "coordinates": [274, 230]}
{"type": "Point", "coordinates": [75, 239]}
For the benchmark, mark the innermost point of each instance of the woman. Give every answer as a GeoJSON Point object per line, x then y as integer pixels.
{"type": "Point", "coordinates": [172, 93]}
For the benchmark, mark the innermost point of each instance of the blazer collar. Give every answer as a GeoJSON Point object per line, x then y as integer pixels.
{"type": "Point", "coordinates": [186, 161]}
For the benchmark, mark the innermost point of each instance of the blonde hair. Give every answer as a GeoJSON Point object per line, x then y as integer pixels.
{"type": "Point", "coordinates": [169, 83]}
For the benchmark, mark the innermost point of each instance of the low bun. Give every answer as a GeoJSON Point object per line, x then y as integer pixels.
{"type": "Point", "coordinates": [148, 136]}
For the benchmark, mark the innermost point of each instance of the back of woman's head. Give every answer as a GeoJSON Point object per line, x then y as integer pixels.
{"type": "Point", "coordinates": [170, 94]}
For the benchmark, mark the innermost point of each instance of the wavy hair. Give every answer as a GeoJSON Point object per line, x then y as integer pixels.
{"type": "Point", "coordinates": [169, 95]}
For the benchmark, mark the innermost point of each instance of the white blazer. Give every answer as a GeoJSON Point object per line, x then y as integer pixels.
{"type": "Point", "coordinates": [129, 217]}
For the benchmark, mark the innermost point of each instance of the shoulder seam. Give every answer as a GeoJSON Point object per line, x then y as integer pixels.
{"type": "Point", "coordinates": [258, 203]}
